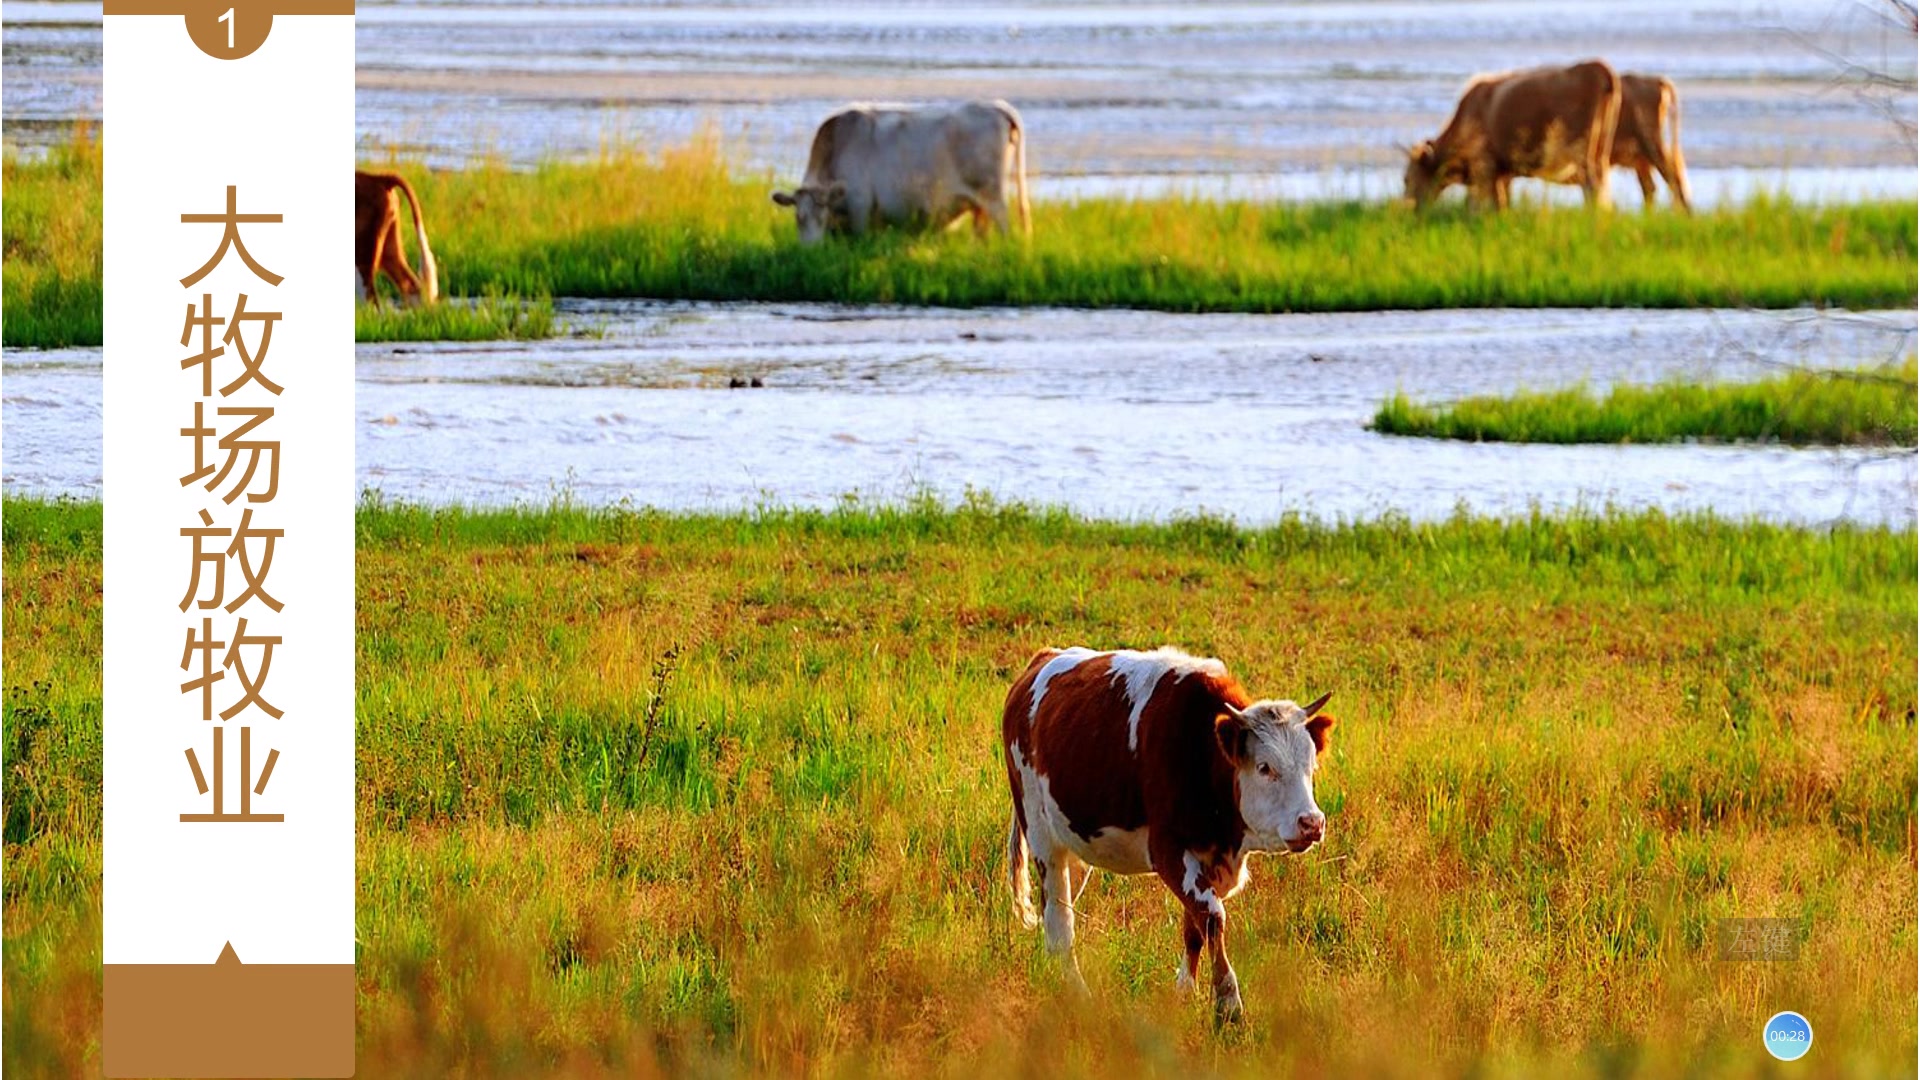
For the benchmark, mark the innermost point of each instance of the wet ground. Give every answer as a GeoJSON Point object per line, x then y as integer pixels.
{"type": "Point", "coordinates": [1262, 101]}
{"type": "Point", "coordinates": [1117, 414]}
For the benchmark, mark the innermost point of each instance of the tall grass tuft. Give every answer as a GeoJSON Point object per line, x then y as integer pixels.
{"type": "Point", "coordinates": [1864, 407]}
{"type": "Point", "coordinates": [50, 227]}
{"type": "Point", "coordinates": [494, 316]}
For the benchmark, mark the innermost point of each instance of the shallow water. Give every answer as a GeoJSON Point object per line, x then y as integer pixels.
{"type": "Point", "coordinates": [1285, 101]}
{"type": "Point", "coordinates": [1117, 414]}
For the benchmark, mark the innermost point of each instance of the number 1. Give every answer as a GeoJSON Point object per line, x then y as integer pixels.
{"type": "Point", "coordinates": [228, 19]}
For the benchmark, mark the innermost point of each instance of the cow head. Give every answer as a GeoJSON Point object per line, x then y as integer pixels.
{"type": "Point", "coordinates": [1423, 179]}
{"type": "Point", "coordinates": [814, 207]}
{"type": "Point", "coordinates": [1275, 747]}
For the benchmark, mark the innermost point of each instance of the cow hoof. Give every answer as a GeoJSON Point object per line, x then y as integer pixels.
{"type": "Point", "coordinates": [1227, 1010]}
{"type": "Point", "coordinates": [1077, 984]}
{"type": "Point", "coordinates": [1182, 981]}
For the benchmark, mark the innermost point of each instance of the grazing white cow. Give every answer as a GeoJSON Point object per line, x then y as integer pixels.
{"type": "Point", "coordinates": [915, 167]}
{"type": "Point", "coordinates": [1154, 763]}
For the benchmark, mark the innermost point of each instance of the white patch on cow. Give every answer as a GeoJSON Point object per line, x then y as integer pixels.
{"type": "Point", "coordinates": [1065, 662]}
{"type": "Point", "coordinates": [1050, 836]}
{"type": "Point", "coordinates": [1122, 851]}
{"type": "Point", "coordinates": [1141, 673]}
{"type": "Point", "coordinates": [1191, 886]}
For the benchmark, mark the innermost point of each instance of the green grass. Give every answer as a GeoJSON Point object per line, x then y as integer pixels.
{"type": "Point", "coordinates": [1567, 745]}
{"type": "Point", "coordinates": [684, 225]}
{"type": "Point", "coordinates": [487, 318]}
{"type": "Point", "coordinates": [1863, 407]}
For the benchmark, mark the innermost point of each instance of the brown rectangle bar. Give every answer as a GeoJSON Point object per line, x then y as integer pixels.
{"type": "Point", "coordinates": [227, 1019]}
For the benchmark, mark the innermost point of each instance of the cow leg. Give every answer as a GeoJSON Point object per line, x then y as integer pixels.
{"type": "Point", "coordinates": [395, 264]}
{"type": "Point", "coordinates": [1595, 186]}
{"type": "Point", "coordinates": [371, 274]}
{"type": "Point", "coordinates": [859, 214]}
{"type": "Point", "coordinates": [1226, 985]}
{"type": "Point", "coordinates": [1672, 172]}
{"type": "Point", "coordinates": [996, 212]}
{"type": "Point", "coordinates": [1645, 174]}
{"type": "Point", "coordinates": [1193, 933]}
{"type": "Point", "coordinates": [1056, 886]}
{"type": "Point", "coordinates": [1483, 187]}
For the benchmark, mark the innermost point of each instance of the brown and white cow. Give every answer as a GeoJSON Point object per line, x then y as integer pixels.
{"type": "Point", "coordinates": [1154, 763]}
{"type": "Point", "coordinates": [377, 244]}
{"type": "Point", "coordinates": [919, 167]}
{"type": "Point", "coordinates": [1647, 139]}
{"type": "Point", "coordinates": [1553, 123]}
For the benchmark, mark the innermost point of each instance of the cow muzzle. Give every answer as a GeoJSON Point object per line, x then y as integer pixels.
{"type": "Point", "coordinates": [1311, 829]}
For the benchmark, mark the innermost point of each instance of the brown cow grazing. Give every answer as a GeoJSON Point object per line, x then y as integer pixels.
{"type": "Point", "coordinates": [1154, 763]}
{"type": "Point", "coordinates": [1553, 123]}
{"type": "Point", "coordinates": [376, 238]}
{"type": "Point", "coordinates": [1648, 137]}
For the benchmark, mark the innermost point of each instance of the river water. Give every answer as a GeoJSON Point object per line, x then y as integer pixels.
{"type": "Point", "coordinates": [1296, 100]}
{"type": "Point", "coordinates": [1116, 414]}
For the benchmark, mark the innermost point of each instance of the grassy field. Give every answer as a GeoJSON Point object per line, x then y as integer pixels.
{"type": "Point", "coordinates": [683, 225]}
{"type": "Point", "coordinates": [1863, 407]}
{"type": "Point", "coordinates": [722, 794]}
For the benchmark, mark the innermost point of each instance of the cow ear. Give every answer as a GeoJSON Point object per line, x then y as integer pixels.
{"type": "Point", "coordinates": [1317, 729]}
{"type": "Point", "coordinates": [1232, 732]}
{"type": "Point", "coordinates": [1423, 153]}
{"type": "Point", "coordinates": [782, 198]}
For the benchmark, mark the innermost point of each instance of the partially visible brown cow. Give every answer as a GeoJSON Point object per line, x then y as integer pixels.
{"type": "Point", "coordinates": [1154, 763]}
{"type": "Point", "coordinates": [1648, 137]}
{"type": "Point", "coordinates": [376, 238]}
{"type": "Point", "coordinates": [1553, 123]}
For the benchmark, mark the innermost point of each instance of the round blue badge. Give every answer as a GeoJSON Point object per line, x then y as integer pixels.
{"type": "Point", "coordinates": [1788, 1036]}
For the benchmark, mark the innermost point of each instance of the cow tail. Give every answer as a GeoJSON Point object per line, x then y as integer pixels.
{"type": "Point", "coordinates": [1600, 139]}
{"type": "Point", "coordinates": [1670, 104]}
{"type": "Point", "coordinates": [1018, 878]}
{"type": "Point", "coordinates": [429, 270]}
{"type": "Point", "coordinates": [1019, 136]}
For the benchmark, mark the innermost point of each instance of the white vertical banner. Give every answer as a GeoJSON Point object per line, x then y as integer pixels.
{"type": "Point", "coordinates": [228, 579]}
